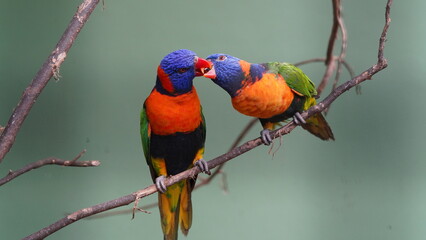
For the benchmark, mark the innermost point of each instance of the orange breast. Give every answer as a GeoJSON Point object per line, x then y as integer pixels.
{"type": "Point", "coordinates": [264, 98]}
{"type": "Point", "coordinates": [171, 114]}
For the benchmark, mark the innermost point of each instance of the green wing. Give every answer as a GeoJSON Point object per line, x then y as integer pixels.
{"type": "Point", "coordinates": [294, 77]}
{"type": "Point", "coordinates": [145, 135]}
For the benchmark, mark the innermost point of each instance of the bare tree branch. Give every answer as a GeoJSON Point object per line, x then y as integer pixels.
{"type": "Point", "coordinates": [331, 41]}
{"type": "Point", "coordinates": [125, 200]}
{"type": "Point", "coordinates": [342, 50]}
{"type": "Point", "coordinates": [49, 161]}
{"type": "Point", "coordinates": [50, 68]}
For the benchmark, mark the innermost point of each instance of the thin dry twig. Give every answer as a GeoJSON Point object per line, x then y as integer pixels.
{"type": "Point", "coordinates": [343, 61]}
{"type": "Point", "coordinates": [125, 200]}
{"type": "Point", "coordinates": [49, 161]}
{"type": "Point", "coordinates": [342, 51]}
{"type": "Point", "coordinates": [331, 66]}
{"type": "Point", "coordinates": [334, 30]}
{"type": "Point", "coordinates": [50, 68]}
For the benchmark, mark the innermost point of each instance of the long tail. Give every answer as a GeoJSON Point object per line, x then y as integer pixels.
{"type": "Point", "coordinates": [175, 207]}
{"type": "Point", "coordinates": [316, 124]}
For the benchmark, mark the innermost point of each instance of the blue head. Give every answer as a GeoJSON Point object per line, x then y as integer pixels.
{"type": "Point", "coordinates": [231, 73]}
{"type": "Point", "coordinates": [177, 70]}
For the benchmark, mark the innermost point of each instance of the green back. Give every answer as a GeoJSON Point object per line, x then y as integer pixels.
{"type": "Point", "coordinates": [294, 77]}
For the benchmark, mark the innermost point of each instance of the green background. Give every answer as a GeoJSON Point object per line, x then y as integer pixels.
{"type": "Point", "coordinates": [368, 184]}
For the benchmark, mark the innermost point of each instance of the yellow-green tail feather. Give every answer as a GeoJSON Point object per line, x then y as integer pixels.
{"type": "Point", "coordinates": [175, 208]}
{"type": "Point", "coordinates": [316, 124]}
{"type": "Point", "coordinates": [185, 216]}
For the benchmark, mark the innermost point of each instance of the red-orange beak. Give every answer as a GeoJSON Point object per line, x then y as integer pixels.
{"type": "Point", "coordinates": [201, 65]}
{"type": "Point", "coordinates": [210, 74]}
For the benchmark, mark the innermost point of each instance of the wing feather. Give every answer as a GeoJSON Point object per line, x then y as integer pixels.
{"type": "Point", "coordinates": [294, 77]}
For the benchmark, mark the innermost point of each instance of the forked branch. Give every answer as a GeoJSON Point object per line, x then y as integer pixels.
{"type": "Point", "coordinates": [50, 68]}
{"type": "Point", "coordinates": [49, 161]}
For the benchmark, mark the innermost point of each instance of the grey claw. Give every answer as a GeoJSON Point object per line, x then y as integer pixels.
{"type": "Point", "coordinates": [159, 183]}
{"type": "Point", "coordinates": [265, 135]}
{"type": "Point", "coordinates": [203, 166]}
{"type": "Point", "coordinates": [298, 119]}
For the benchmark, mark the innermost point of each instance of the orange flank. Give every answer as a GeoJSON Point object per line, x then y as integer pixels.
{"type": "Point", "coordinates": [264, 98]}
{"type": "Point", "coordinates": [171, 114]}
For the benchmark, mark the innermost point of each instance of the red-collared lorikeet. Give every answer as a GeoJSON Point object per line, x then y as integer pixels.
{"type": "Point", "coordinates": [272, 92]}
{"type": "Point", "coordinates": [173, 133]}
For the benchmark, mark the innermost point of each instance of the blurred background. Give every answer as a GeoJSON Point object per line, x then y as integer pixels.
{"type": "Point", "coordinates": [368, 184]}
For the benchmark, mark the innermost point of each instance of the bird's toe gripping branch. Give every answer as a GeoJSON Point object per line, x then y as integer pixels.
{"type": "Point", "coordinates": [298, 119]}
{"type": "Point", "coordinates": [265, 135]}
{"type": "Point", "coordinates": [159, 183]}
{"type": "Point", "coordinates": [203, 166]}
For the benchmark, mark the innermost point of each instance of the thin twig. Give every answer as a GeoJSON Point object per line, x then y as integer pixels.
{"type": "Point", "coordinates": [79, 155]}
{"type": "Point", "coordinates": [343, 61]}
{"type": "Point", "coordinates": [50, 68]}
{"type": "Point", "coordinates": [49, 161]}
{"type": "Point", "coordinates": [125, 200]}
{"type": "Point", "coordinates": [342, 49]}
{"type": "Point", "coordinates": [331, 41]}
{"type": "Point", "coordinates": [334, 30]}
{"type": "Point", "coordinates": [117, 212]}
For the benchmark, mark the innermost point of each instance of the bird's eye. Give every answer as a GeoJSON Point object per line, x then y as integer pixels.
{"type": "Point", "coordinates": [182, 70]}
{"type": "Point", "coordinates": [221, 57]}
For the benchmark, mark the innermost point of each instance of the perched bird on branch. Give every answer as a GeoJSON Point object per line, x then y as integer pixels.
{"type": "Point", "coordinates": [173, 133]}
{"type": "Point", "coordinates": [272, 92]}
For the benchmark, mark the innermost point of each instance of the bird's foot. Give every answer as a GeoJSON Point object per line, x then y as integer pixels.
{"type": "Point", "coordinates": [298, 119]}
{"type": "Point", "coordinates": [203, 166]}
{"type": "Point", "coordinates": [159, 183]}
{"type": "Point", "coordinates": [265, 135]}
